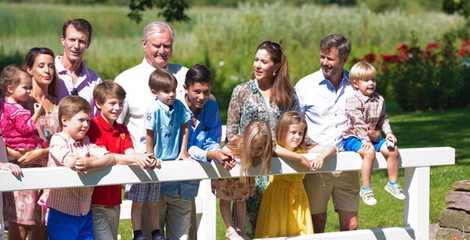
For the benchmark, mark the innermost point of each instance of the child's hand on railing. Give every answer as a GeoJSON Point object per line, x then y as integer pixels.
{"type": "Point", "coordinates": [82, 165]}
{"type": "Point", "coordinates": [317, 163]}
{"type": "Point", "coordinates": [152, 162]}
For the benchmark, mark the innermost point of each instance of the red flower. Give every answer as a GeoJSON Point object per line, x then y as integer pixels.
{"type": "Point", "coordinates": [356, 60]}
{"type": "Point", "coordinates": [432, 45]}
{"type": "Point", "coordinates": [403, 47]}
{"type": "Point", "coordinates": [464, 48]}
{"type": "Point", "coordinates": [371, 57]}
{"type": "Point", "coordinates": [390, 58]}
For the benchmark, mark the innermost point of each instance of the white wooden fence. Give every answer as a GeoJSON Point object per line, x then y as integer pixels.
{"type": "Point", "coordinates": [415, 161]}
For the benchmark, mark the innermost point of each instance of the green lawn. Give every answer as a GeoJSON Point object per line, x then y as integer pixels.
{"type": "Point", "coordinates": [430, 129]}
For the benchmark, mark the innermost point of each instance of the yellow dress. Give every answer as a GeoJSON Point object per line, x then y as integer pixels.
{"type": "Point", "coordinates": [284, 209]}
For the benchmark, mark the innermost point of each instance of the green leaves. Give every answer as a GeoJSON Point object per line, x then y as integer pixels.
{"type": "Point", "coordinates": [171, 10]}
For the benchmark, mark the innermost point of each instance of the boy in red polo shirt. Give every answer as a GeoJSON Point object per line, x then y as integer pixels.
{"type": "Point", "coordinates": [106, 132]}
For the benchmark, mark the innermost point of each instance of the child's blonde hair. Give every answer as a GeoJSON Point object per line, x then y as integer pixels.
{"type": "Point", "coordinates": [11, 76]}
{"type": "Point", "coordinates": [282, 128]}
{"type": "Point", "coordinates": [71, 105]}
{"type": "Point", "coordinates": [257, 135]}
{"type": "Point", "coordinates": [362, 71]}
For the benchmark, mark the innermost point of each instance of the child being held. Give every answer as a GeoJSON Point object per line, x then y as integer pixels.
{"type": "Point", "coordinates": [166, 124]}
{"type": "Point", "coordinates": [69, 208]}
{"type": "Point", "coordinates": [366, 109]}
{"type": "Point", "coordinates": [18, 126]}
{"type": "Point", "coordinates": [284, 209]}
{"type": "Point", "coordinates": [254, 147]}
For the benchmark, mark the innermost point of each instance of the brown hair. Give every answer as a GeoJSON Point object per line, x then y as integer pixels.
{"type": "Point", "coordinates": [29, 60]}
{"type": "Point", "coordinates": [108, 89]}
{"type": "Point", "coordinates": [162, 80]}
{"type": "Point", "coordinates": [11, 76]}
{"type": "Point", "coordinates": [71, 105]}
{"type": "Point", "coordinates": [282, 128]}
{"type": "Point", "coordinates": [82, 25]}
{"type": "Point", "coordinates": [337, 41]}
{"type": "Point", "coordinates": [282, 89]}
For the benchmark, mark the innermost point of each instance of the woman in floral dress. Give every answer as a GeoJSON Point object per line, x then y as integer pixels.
{"type": "Point", "coordinates": [264, 97]}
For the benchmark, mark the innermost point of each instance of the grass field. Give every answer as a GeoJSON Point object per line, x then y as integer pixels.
{"type": "Point", "coordinates": [230, 36]}
{"type": "Point", "coordinates": [224, 39]}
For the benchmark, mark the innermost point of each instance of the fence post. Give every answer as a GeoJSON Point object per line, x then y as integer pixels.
{"type": "Point", "coordinates": [206, 211]}
{"type": "Point", "coordinates": [417, 202]}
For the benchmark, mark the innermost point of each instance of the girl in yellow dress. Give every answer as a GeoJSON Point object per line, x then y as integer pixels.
{"type": "Point", "coordinates": [284, 209]}
{"type": "Point", "coordinates": [254, 147]}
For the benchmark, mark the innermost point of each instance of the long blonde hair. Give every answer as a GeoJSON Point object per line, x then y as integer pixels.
{"type": "Point", "coordinates": [257, 137]}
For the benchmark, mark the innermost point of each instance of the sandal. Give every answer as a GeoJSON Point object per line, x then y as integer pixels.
{"type": "Point", "coordinates": [231, 234]}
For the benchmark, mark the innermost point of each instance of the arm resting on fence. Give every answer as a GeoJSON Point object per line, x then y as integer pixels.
{"type": "Point", "coordinates": [59, 177]}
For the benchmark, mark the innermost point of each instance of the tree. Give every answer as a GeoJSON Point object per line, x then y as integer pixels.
{"type": "Point", "coordinates": [171, 10]}
{"type": "Point", "coordinates": [462, 7]}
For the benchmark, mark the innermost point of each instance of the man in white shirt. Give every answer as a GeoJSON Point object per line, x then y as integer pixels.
{"type": "Point", "coordinates": [322, 98]}
{"type": "Point", "coordinates": [157, 43]}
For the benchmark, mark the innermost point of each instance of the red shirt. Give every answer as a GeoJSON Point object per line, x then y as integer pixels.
{"type": "Point", "coordinates": [116, 139]}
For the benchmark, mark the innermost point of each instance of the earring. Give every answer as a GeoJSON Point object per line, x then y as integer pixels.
{"type": "Point", "coordinates": [274, 74]}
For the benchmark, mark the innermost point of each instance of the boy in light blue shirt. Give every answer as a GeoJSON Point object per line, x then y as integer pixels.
{"type": "Point", "coordinates": [166, 124]}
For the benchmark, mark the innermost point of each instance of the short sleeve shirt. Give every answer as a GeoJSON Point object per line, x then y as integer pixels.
{"type": "Point", "coordinates": [166, 126]}
{"type": "Point", "coordinates": [72, 201]}
{"type": "Point", "coordinates": [116, 139]}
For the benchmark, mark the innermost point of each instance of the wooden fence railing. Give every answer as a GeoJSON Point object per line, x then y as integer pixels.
{"type": "Point", "coordinates": [415, 161]}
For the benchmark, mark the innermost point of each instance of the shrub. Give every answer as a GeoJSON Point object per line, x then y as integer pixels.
{"type": "Point", "coordinates": [430, 78]}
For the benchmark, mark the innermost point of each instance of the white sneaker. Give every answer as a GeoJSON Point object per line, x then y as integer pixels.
{"type": "Point", "coordinates": [395, 190]}
{"type": "Point", "coordinates": [368, 197]}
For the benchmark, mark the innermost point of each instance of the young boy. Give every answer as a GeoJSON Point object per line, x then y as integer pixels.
{"type": "Point", "coordinates": [106, 132]}
{"type": "Point", "coordinates": [69, 208]}
{"type": "Point", "coordinates": [166, 123]}
{"type": "Point", "coordinates": [205, 131]}
{"type": "Point", "coordinates": [367, 108]}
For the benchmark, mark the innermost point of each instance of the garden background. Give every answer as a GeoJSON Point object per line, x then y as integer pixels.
{"type": "Point", "coordinates": [419, 50]}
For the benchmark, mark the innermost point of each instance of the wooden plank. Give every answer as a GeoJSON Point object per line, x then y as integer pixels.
{"type": "Point", "coordinates": [402, 233]}
{"type": "Point", "coordinates": [40, 178]}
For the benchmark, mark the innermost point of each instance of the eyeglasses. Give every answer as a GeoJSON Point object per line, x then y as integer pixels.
{"type": "Point", "coordinates": [74, 91]}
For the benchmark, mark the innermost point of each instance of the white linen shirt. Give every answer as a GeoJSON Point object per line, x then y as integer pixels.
{"type": "Point", "coordinates": [324, 107]}
{"type": "Point", "coordinates": [135, 82]}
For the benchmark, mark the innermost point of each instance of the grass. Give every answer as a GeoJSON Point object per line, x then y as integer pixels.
{"type": "Point", "coordinates": [230, 35]}
{"type": "Point", "coordinates": [424, 129]}
{"type": "Point", "coordinates": [219, 35]}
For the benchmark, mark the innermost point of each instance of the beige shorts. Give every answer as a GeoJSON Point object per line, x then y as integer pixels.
{"type": "Point", "coordinates": [344, 187]}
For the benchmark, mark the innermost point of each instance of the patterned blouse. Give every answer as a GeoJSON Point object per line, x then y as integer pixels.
{"type": "Point", "coordinates": [247, 104]}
